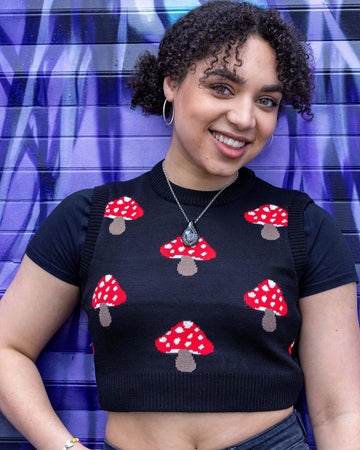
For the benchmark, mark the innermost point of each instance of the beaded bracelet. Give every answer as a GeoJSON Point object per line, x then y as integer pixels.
{"type": "Point", "coordinates": [69, 444]}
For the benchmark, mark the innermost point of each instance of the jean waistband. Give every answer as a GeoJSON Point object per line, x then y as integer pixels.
{"type": "Point", "coordinates": [289, 433]}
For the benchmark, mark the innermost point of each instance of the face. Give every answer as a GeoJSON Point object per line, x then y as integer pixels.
{"type": "Point", "coordinates": [221, 124]}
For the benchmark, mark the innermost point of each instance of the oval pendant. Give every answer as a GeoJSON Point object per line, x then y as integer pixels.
{"type": "Point", "coordinates": [190, 235]}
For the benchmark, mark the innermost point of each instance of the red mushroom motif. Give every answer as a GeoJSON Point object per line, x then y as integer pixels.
{"type": "Point", "coordinates": [185, 339]}
{"type": "Point", "coordinates": [187, 255]}
{"type": "Point", "coordinates": [107, 294]}
{"type": "Point", "coordinates": [271, 217]}
{"type": "Point", "coordinates": [267, 297]}
{"type": "Point", "coordinates": [124, 208]}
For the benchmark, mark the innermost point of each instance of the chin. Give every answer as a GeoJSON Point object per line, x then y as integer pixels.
{"type": "Point", "coordinates": [228, 169]}
{"type": "Point", "coordinates": [224, 173]}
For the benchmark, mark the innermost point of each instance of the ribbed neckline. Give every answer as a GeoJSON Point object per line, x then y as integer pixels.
{"type": "Point", "coordinates": [241, 186]}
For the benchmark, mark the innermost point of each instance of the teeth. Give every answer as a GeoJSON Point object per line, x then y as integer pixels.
{"type": "Point", "coordinates": [228, 141]}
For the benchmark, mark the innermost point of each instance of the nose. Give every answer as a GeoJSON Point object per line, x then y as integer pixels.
{"type": "Point", "coordinates": [241, 114]}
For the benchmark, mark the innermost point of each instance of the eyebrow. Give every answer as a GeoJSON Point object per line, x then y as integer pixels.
{"type": "Point", "coordinates": [272, 88]}
{"type": "Point", "coordinates": [224, 73]}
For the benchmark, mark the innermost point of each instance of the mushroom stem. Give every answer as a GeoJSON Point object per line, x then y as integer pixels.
{"type": "Point", "coordinates": [117, 226]}
{"type": "Point", "coordinates": [269, 321]}
{"type": "Point", "coordinates": [187, 266]}
{"type": "Point", "coordinates": [104, 315]}
{"type": "Point", "coordinates": [185, 361]}
{"type": "Point", "coordinates": [270, 232]}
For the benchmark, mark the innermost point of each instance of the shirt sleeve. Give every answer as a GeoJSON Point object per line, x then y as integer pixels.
{"type": "Point", "coordinates": [57, 245]}
{"type": "Point", "coordinates": [330, 260]}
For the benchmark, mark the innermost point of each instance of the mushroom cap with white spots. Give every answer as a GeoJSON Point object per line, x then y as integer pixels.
{"type": "Point", "coordinates": [267, 295]}
{"type": "Point", "coordinates": [186, 335]}
{"type": "Point", "coordinates": [177, 249]}
{"type": "Point", "coordinates": [124, 207]}
{"type": "Point", "coordinates": [268, 214]}
{"type": "Point", "coordinates": [108, 291]}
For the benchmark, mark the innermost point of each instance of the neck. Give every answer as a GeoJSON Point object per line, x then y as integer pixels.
{"type": "Point", "coordinates": [199, 181]}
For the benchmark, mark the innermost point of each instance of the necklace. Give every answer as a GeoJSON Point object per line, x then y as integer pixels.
{"type": "Point", "coordinates": [190, 235]}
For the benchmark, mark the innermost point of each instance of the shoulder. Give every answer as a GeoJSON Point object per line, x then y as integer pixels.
{"type": "Point", "coordinates": [56, 246]}
{"type": "Point", "coordinates": [320, 226]}
{"type": "Point", "coordinates": [316, 217]}
{"type": "Point", "coordinates": [77, 202]}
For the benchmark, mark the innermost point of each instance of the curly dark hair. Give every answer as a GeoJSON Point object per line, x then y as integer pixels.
{"type": "Point", "coordinates": [220, 27]}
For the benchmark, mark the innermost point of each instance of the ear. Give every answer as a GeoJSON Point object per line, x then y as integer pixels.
{"type": "Point", "coordinates": [169, 87]}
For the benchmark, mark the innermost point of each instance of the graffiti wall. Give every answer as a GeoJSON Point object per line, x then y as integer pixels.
{"type": "Point", "coordinates": [65, 124]}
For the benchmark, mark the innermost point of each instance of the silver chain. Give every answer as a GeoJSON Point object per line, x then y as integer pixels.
{"type": "Point", "coordinates": [209, 204]}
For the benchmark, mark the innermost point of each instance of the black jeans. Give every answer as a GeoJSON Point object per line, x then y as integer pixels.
{"type": "Point", "coordinates": [289, 434]}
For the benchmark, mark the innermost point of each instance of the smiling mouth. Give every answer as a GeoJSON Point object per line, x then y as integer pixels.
{"type": "Point", "coordinates": [228, 141]}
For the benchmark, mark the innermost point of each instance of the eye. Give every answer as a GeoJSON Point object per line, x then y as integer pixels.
{"type": "Point", "coordinates": [268, 102]}
{"type": "Point", "coordinates": [221, 89]}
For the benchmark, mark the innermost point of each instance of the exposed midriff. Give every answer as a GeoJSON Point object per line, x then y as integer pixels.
{"type": "Point", "coordinates": [187, 431]}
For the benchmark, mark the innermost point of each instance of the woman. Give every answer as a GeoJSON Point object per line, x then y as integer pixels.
{"type": "Point", "coordinates": [204, 306]}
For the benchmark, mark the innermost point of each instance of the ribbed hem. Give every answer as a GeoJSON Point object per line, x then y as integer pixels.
{"type": "Point", "coordinates": [240, 187]}
{"type": "Point", "coordinates": [99, 201]}
{"type": "Point", "coordinates": [197, 392]}
{"type": "Point", "coordinates": [297, 236]}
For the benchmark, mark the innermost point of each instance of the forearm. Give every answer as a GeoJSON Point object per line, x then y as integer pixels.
{"type": "Point", "coordinates": [24, 401]}
{"type": "Point", "coordinates": [341, 431]}
{"type": "Point", "coordinates": [329, 350]}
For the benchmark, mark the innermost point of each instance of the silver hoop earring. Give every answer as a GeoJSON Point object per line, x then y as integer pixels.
{"type": "Point", "coordinates": [271, 139]}
{"type": "Point", "coordinates": [164, 113]}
